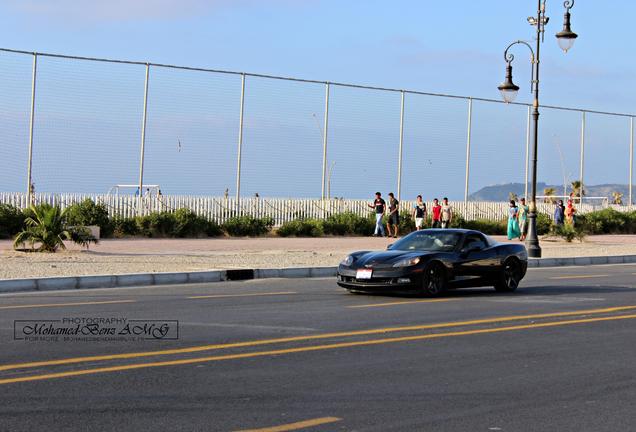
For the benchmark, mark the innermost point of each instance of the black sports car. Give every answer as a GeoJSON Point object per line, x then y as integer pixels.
{"type": "Point", "coordinates": [433, 260]}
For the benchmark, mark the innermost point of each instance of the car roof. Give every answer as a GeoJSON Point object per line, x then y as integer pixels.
{"type": "Point", "coordinates": [457, 230]}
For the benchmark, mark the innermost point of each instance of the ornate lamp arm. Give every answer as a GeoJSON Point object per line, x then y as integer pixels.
{"type": "Point", "coordinates": [509, 57]}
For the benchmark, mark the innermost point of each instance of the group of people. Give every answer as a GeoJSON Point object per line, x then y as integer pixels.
{"type": "Point", "coordinates": [518, 220]}
{"type": "Point", "coordinates": [441, 217]}
{"type": "Point", "coordinates": [564, 215]}
{"type": "Point", "coordinates": [518, 217]}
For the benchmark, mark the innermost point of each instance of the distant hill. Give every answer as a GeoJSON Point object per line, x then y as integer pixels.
{"type": "Point", "coordinates": [501, 192]}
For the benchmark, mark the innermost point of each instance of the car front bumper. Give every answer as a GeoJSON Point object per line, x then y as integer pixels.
{"type": "Point", "coordinates": [398, 279]}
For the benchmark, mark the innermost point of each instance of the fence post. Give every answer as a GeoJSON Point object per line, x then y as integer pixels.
{"type": "Point", "coordinates": [527, 152]}
{"type": "Point", "coordinates": [581, 167]}
{"type": "Point", "coordinates": [31, 124]}
{"type": "Point", "coordinates": [324, 142]}
{"type": "Point", "coordinates": [399, 173]}
{"type": "Point", "coordinates": [143, 143]}
{"type": "Point", "coordinates": [468, 136]}
{"type": "Point", "coordinates": [631, 158]}
{"type": "Point", "coordinates": [240, 146]}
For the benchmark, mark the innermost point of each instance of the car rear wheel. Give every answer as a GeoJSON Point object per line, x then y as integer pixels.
{"type": "Point", "coordinates": [510, 276]}
{"type": "Point", "coordinates": [434, 280]}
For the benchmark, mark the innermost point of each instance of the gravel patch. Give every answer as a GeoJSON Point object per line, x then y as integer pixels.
{"type": "Point", "coordinates": [119, 256]}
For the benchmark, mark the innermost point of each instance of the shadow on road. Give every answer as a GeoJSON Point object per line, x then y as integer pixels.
{"type": "Point", "coordinates": [542, 291]}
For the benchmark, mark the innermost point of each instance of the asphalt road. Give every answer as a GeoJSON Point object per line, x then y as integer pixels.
{"type": "Point", "coordinates": [278, 355]}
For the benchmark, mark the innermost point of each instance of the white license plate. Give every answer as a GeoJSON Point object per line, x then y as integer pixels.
{"type": "Point", "coordinates": [364, 274]}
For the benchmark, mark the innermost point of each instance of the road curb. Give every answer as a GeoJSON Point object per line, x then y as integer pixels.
{"type": "Point", "coordinates": [172, 278]}
{"type": "Point", "coordinates": [581, 261]}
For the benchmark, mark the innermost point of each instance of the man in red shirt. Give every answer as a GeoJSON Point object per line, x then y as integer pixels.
{"type": "Point", "coordinates": [437, 214]}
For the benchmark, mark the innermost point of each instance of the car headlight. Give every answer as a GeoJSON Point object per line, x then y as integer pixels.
{"type": "Point", "coordinates": [407, 262]}
{"type": "Point", "coordinates": [347, 261]}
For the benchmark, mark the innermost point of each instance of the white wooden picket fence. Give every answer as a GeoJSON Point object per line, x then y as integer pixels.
{"type": "Point", "coordinates": [281, 210]}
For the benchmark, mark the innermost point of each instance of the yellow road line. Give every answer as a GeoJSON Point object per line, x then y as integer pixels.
{"type": "Point", "coordinates": [580, 276]}
{"type": "Point", "coordinates": [309, 337]}
{"type": "Point", "coordinates": [66, 304]}
{"type": "Point", "coordinates": [399, 303]}
{"type": "Point", "coordinates": [296, 426]}
{"type": "Point", "coordinates": [305, 349]}
{"type": "Point", "coordinates": [242, 295]}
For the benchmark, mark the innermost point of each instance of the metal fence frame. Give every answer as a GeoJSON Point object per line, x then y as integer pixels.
{"type": "Point", "coordinates": [244, 75]}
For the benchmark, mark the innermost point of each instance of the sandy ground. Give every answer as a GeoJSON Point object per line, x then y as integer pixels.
{"type": "Point", "coordinates": [166, 255]}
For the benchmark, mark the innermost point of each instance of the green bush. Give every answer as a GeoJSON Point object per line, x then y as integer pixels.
{"type": "Point", "coordinates": [458, 220]}
{"type": "Point", "coordinates": [189, 224]}
{"type": "Point", "coordinates": [124, 227]}
{"type": "Point", "coordinates": [11, 220]}
{"type": "Point", "coordinates": [608, 221]}
{"type": "Point", "coordinates": [239, 226]}
{"type": "Point", "coordinates": [181, 223]}
{"type": "Point", "coordinates": [568, 232]}
{"type": "Point", "coordinates": [544, 223]}
{"type": "Point", "coordinates": [88, 213]}
{"type": "Point", "coordinates": [301, 228]}
{"type": "Point", "coordinates": [348, 223]}
{"type": "Point", "coordinates": [487, 226]}
{"type": "Point", "coordinates": [158, 224]}
{"type": "Point", "coordinates": [407, 223]}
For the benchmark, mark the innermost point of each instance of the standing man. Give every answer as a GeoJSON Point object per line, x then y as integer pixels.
{"type": "Point", "coordinates": [394, 215]}
{"type": "Point", "coordinates": [419, 212]}
{"type": "Point", "coordinates": [379, 205]}
{"type": "Point", "coordinates": [436, 221]}
{"type": "Point", "coordinates": [447, 214]}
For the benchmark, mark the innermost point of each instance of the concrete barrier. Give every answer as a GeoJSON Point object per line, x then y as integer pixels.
{"type": "Point", "coordinates": [206, 276]}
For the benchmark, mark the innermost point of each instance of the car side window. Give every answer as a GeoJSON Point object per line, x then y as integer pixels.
{"type": "Point", "coordinates": [474, 241]}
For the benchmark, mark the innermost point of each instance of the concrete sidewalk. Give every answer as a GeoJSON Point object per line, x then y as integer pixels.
{"type": "Point", "coordinates": [127, 256]}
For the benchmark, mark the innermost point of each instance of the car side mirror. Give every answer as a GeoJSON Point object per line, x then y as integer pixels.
{"type": "Point", "coordinates": [389, 246]}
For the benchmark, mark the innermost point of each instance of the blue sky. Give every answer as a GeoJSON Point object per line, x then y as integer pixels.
{"type": "Point", "coordinates": [448, 47]}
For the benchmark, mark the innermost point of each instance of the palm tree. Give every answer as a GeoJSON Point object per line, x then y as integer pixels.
{"type": "Point", "coordinates": [512, 196]}
{"type": "Point", "coordinates": [47, 226]}
{"type": "Point", "coordinates": [617, 198]}
{"type": "Point", "coordinates": [577, 190]}
{"type": "Point", "coordinates": [549, 195]}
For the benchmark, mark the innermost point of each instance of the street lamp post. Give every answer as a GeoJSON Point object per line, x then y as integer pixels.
{"type": "Point", "coordinates": [329, 180]}
{"type": "Point", "coordinates": [509, 91]}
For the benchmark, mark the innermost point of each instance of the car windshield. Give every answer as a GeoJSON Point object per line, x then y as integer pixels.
{"type": "Point", "coordinates": [438, 241]}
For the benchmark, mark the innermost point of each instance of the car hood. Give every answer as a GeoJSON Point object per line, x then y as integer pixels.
{"type": "Point", "coordinates": [383, 258]}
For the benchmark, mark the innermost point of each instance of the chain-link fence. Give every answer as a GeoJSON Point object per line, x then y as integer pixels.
{"type": "Point", "coordinates": [86, 125]}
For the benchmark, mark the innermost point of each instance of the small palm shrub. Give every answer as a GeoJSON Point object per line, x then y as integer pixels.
{"type": "Point", "coordinates": [568, 232]}
{"type": "Point", "coordinates": [47, 226]}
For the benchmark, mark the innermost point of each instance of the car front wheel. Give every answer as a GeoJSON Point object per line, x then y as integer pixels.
{"type": "Point", "coordinates": [510, 276]}
{"type": "Point", "coordinates": [434, 280]}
